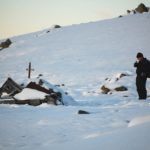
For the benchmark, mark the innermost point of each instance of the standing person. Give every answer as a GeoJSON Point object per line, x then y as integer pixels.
{"type": "Point", "coordinates": [141, 65]}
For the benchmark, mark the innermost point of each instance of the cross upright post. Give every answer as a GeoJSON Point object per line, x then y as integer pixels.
{"type": "Point", "coordinates": [29, 69]}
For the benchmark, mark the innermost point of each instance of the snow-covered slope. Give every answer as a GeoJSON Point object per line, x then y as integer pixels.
{"type": "Point", "coordinates": [81, 57]}
{"type": "Point", "coordinates": [79, 53]}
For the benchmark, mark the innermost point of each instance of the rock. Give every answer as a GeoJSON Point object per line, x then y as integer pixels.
{"type": "Point", "coordinates": [5, 44]}
{"type": "Point", "coordinates": [83, 112]}
{"type": "Point", "coordinates": [123, 75]}
{"type": "Point", "coordinates": [57, 26]}
{"type": "Point", "coordinates": [128, 11]}
{"type": "Point", "coordinates": [141, 8]}
{"type": "Point", "coordinates": [121, 88]}
{"type": "Point", "coordinates": [120, 16]}
{"type": "Point", "coordinates": [105, 90]}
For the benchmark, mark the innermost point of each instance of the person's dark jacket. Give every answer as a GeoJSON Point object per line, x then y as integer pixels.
{"type": "Point", "coordinates": [142, 67]}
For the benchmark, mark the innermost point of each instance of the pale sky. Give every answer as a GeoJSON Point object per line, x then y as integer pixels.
{"type": "Point", "coordinates": [24, 16]}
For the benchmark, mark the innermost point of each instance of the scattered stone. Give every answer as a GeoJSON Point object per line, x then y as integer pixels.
{"type": "Point", "coordinates": [57, 26]}
{"type": "Point", "coordinates": [121, 88]}
{"type": "Point", "coordinates": [127, 121]}
{"type": "Point", "coordinates": [59, 85]}
{"type": "Point", "coordinates": [106, 79]}
{"type": "Point", "coordinates": [125, 96]}
{"type": "Point", "coordinates": [128, 11]}
{"type": "Point", "coordinates": [5, 44]}
{"type": "Point", "coordinates": [120, 16]}
{"type": "Point", "coordinates": [141, 8]}
{"type": "Point", "coordinates": [83, 112]}
{"type": "Point", "coordinates": [123, 75]}
{"type": "Point", "coordinates": [105, 90]}
{"type": "Point", "coordinates": [66, 93]}
{"type": "Point", "coordinates": [40, 75]}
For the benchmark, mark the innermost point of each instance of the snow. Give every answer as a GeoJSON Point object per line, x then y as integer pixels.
{"type": "Point", "coordinates": [139, 120]}
{"type": "Point", "coordinates": [28, 93]}
{"type": "Point", "coordinates": [81, 57]}
{"type": "Point", "coordinates": [58, 127]}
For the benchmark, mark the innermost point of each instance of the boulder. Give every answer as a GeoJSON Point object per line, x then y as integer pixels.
{"type": "Point", "coordinates": [128, 11]}
{"type": "Point", "coordinates": [141, 8]}
{"type": "Point", "coordinates": [57, 26]}
{"type": "Point", "coordinates": [105, 90]}
{"type": "Point", "coordinates": [83, 112]}
{"type": "Point", "coordinates": [5, 44]}
{"type": "Point", "coordinates": [121, 88]}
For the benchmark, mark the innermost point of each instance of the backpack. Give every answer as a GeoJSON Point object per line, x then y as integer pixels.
{"type": "Point", "coordinates": [148, 69]}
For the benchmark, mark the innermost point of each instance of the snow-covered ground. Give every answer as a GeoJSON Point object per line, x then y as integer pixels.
{"type": "Point", "coordinates": [81, 57]}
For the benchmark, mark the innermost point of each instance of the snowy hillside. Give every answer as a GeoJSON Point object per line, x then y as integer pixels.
{"type": "Point", "coordinates": [81, 57]}
{"type": "Point", "coordinates": [69, 54]}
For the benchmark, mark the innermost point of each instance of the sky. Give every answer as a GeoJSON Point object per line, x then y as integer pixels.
{"type": "Point", "coordinates": [25, 16]}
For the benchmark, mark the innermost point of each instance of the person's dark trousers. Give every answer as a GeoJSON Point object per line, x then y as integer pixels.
{"type": "Point", "coordinates": [141, 87]}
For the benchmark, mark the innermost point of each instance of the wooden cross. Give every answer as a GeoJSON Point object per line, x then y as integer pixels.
{"type": "Point", "coordinates": [29, 69]}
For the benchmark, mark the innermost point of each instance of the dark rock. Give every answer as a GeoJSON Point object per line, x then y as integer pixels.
{"type": "Point", "coordinates": [134, 12]}
{"type": "Point", "coordinates": [141, 8]}
{"type": "Point", "coordinates": [83, 112]}
{"type": "Point", "coordinates": [40, 75]}
{"type": "Point", "coordinates": [125, 96]}
{"type": "Point", "coordinates": [66, 93]}
{"type": "Point", "coordinates": [128, 11]}
{"type": "Point", "coordinates": [105, 90]}
{"type": "Point", "coordinates": [120, 16]}
{"type": "Point", "coordinates": [5, 44]}
{"type": "Point", "coordinates": [121, 88]}
{"type": "Point", "coordinates": [123, 75]}
{"type": "Point", "coordinates": [127, 121]}
{"type": "Point", "coordinates": [57, 26]}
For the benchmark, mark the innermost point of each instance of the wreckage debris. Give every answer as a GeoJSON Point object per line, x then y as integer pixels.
{"type": "Point", "coordinates": [34, 93]}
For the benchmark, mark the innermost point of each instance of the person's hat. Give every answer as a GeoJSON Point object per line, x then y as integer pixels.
{"type": "Point", "coordinates": [139, 55]}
